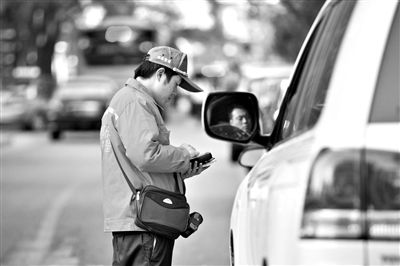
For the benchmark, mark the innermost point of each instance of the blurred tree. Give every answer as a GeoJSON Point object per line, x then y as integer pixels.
{"type": "Point", "coordinates": [216, 13]}
{"type": "Point", "coordinates": [291, 20]}
{"type": "Point", "coordinates": [37, 26]}
{"type": "Point", "coordinates": [118, 7]}
{"type": "Point", "coordinates": [293, 24]}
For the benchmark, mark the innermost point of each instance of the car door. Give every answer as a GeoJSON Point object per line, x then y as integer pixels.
{"type": "Point", "coordinates": [276, 185]}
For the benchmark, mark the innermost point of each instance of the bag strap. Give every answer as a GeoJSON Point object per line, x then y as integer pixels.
{"type": "Point", "coordinates": [116, 143]}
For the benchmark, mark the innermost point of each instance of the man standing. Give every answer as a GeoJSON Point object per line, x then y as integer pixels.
{"type": "Point", "coordinates": [134, 112]}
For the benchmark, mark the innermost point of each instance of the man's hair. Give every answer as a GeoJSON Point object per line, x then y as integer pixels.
{"type": "Point", "coordinates": [146, 69]}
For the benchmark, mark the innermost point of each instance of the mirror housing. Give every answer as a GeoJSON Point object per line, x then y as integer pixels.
{"type": "Point", "coordinates": [231, 116]}
{"type": "Point", "coordinates": [249, 157]}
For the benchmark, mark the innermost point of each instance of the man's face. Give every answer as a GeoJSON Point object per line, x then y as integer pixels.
{"type": "Point", "coordinates": [240, 118]}
{"type": "Point", "coordinates": [167, 90]}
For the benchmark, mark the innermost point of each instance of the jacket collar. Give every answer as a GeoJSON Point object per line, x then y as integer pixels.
{"type": "Point", "coordinates": [133, 83]}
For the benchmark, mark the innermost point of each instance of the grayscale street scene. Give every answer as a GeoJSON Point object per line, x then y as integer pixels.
{"type": "Point", "coordinates": [107, 108]}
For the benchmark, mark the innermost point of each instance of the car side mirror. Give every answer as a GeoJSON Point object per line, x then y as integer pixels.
{"type": "Point", "coordinates": [249, 157]}
{"type": "Point", "coordinates": [231, 116]}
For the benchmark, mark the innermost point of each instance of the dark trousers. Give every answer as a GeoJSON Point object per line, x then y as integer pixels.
{"type": "Point", "coordinates": [141, 248]}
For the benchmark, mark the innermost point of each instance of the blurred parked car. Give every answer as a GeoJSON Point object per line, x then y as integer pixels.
{"type": "Point", "coordinates": [23, 106]}
{"type": "Point", "coordinates": [192, 102]}
{"type": "Point", "coordinates": [326, 190]}
{"type": "Point", "coordinates": [269, 84]}
{"type": "Point", "coordinates": [79, 104]}
{"type": "Point", "coordinates": [117, 40]}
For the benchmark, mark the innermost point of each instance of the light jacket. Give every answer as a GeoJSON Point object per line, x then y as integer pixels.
{"type": "Point", "coordinates": [135, 116]}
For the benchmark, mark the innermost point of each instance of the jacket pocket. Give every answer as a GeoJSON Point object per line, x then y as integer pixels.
{"type": "Point", "coordinates": [162, 250]}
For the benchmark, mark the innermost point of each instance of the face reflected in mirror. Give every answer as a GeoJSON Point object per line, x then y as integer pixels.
{"type": "Point", "coordinates": [237, 124]}
{"type": "Point", "coordinates": [231, 116]}
{"type": "Point", "coordinates": [240, 118]}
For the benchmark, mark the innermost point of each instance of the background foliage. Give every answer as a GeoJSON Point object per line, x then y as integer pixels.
{"type": "Point", "coordinates": [30, 29]}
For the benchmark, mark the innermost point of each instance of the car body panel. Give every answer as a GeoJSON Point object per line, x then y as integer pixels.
{"type": "Point", "coordinates": [323, 252]}
{"type": "Point", "coordinates": [356, 77]}
{"type": "Point", "coordinates": [383, 253]}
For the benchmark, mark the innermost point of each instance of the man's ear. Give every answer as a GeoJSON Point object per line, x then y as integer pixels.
{"type": "Point", "coordinates": [159, 73]}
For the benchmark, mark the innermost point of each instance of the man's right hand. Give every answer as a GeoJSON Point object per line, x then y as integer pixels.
{"type": "Point", "coordinates": [192, 151]}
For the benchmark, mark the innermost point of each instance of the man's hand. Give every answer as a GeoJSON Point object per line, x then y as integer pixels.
{"type": "Point", "coordinates": [194, 169]}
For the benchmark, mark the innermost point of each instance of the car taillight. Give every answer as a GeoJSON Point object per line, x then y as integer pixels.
{"type": "Point", "coordinates": [332, 206]}
{"type": "Point", "coordinates": [382, 170]}
{"type": "Point", "coordinates": [384, 225]}
{"type": "Point", "coordinates": [353, 194]}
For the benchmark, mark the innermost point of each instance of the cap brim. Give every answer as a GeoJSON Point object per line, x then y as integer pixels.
{"type": "Point", "coordinates": [188, 85]}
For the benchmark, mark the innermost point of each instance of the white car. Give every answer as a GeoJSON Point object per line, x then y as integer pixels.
{"type": "Point", "coordinates": [326, 190]}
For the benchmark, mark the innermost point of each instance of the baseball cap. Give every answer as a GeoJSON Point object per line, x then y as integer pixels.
{"type": "Point", "coordinates": [175, 60]}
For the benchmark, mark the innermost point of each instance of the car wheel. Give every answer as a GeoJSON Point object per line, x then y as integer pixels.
{"type": "Point", "coordinates": [27, 126]}
{"type": "Point", "coordinates": [55, 134]}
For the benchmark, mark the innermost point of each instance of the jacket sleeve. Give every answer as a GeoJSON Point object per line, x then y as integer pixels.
{"type": "Point", "coordinates": [140, 135]}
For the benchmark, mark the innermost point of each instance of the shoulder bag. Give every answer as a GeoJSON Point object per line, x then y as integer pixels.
{"type": "Point", "coordinates": [159, 211]}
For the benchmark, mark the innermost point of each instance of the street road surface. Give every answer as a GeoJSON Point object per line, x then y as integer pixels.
{"type": "Point", "coordinates": [51, 212]}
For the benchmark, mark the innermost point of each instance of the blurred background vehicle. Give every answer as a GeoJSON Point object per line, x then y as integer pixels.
{"type": "Point", "coordinates": [208, 78]}
{"type": "Point", "coordinates": [268, 83]}
{"type": "Point", "coordinates": [23, 105]}
{"type": "Point", "coordinates": [79, 104]}
{"type": "Point", "coordinates": [325, 187]}
{"type": "Point", "coordinates": [117, 40]}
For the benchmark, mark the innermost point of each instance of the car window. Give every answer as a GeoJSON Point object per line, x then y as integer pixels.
{"type": "Point", "coordinates": [386, 104]}
{"type": "Point", "coordinates": [307, 102]}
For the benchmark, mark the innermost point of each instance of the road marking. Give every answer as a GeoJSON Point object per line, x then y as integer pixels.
{"type": "Point", "coordinates": [33, 252]}
{"type": "Point", "coordinates": [64, 254]}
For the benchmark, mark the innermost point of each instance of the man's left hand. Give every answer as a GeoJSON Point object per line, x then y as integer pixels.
{"type": "Point", "coordinates": [194, 169]}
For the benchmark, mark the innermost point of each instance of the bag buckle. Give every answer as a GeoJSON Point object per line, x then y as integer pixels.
{"type": "Point", "coordinates": [138, 195]}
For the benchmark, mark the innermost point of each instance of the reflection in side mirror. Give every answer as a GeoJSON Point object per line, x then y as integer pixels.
{"type": "Point", "coordinates": [230, 132]}
{"type": "Point", "coordinates": [231, 116]}
{"type": "Point", "coordinates": [249, 158]}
